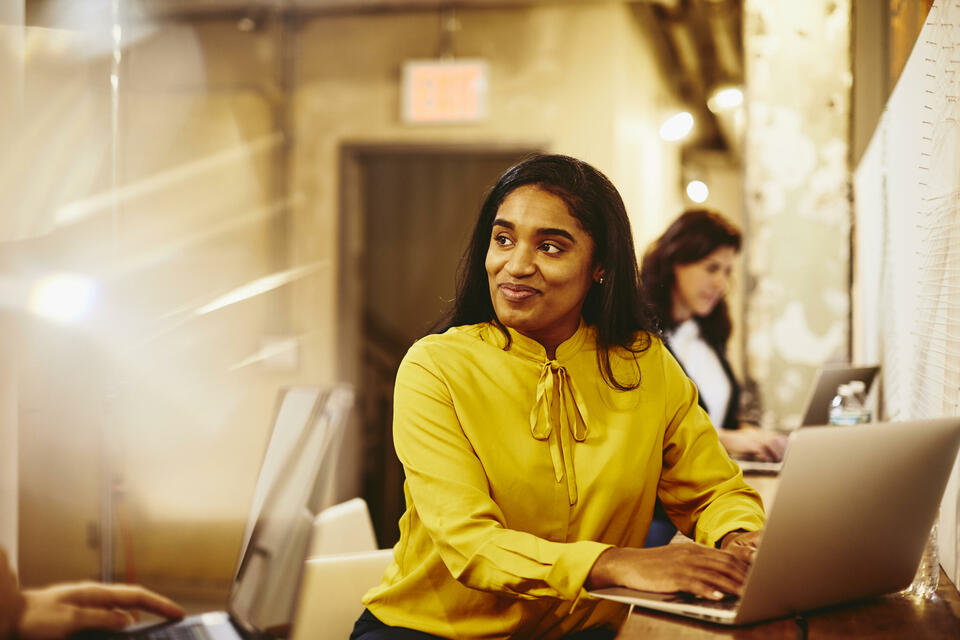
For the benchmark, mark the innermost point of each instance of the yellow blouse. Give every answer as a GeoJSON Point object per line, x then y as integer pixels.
{"type": "Point", "coordinates": [521, 470]}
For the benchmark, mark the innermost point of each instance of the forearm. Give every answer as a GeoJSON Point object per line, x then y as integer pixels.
{"type": "Point", "coordinates": [604, 572]}
{"type": "Point", "coordinates": [515, 563]}
{"type": "Point", "coordinates": [729, 438]}
{"type": "Point", "coordinates": [11, 600]}
{"type": "Point", "coordinates": [10, 612]}
{"type": "Point", "coordinates": [693, 568]}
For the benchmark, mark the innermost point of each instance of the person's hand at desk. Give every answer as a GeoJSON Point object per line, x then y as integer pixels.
{"type": "Point", "coordinates": [751, 443]}
{"type": "Point", "coordinates": [61, 610]}
{"type": "Point", "coordinates": [688, 567]}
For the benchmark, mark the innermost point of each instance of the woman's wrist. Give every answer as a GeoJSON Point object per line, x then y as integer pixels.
{"type": "Point", "coordinates": [728, 537]}
{"type": "Point", "coordinates": [603, 572]}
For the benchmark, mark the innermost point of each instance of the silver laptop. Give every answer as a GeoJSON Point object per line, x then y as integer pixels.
{"type": "Point", "coordinates": [817, 408]}
{"type": "Point", "coordinates": [825, 388]}
{"type": "Point", "coordinates": [852, 514]}
{"type": "Point", "coordinates": [293, 486]}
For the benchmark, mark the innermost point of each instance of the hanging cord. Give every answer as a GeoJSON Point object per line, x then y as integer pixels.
{"type": "Point", "coordinates": [449, 25]}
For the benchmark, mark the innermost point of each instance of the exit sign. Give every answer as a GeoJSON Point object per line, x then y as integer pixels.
{"type": "Point", "coordinates": [444, 91]}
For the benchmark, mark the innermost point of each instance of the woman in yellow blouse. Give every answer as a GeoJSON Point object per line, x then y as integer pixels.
{"type": "Point", "coordinates": [538, 431]}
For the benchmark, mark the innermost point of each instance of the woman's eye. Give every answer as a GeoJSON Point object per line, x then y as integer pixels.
{"type": "Point", "coordinates": [549, 247]}
{"type": "Point", "coordinates": [501, 240]}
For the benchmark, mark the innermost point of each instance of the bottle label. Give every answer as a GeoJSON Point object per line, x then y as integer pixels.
{"type": "Point", "coordinates": [850, 418]}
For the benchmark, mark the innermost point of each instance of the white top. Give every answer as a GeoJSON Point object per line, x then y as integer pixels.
{"type": "Point", "coordinates": [703, 366]}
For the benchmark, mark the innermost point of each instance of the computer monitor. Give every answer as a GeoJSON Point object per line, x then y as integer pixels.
{"type": "Point", "coordinates": [293, 487]}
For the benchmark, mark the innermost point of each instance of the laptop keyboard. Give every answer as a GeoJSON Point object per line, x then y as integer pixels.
{"type": "Point", "coordinates": [194, 631]}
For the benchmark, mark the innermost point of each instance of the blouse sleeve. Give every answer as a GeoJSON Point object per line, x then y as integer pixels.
{"type": "Point", "coordinates": [450, 492]}
{"type": "Point", "coordinates": [701, 489]}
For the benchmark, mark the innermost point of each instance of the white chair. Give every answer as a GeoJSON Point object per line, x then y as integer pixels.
{"type": "Point", "coordinates": [343, 528]}
{"type": "Point", "coordinates": [343, 564]}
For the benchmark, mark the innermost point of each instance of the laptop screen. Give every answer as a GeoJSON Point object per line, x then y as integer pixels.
{"type": "Point", "coordinates": [828, 379]}
{"type": "Point", "coordinates": [294, 485]}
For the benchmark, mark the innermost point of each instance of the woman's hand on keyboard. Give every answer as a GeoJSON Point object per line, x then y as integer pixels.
{"type": "Point", "coordinates": [59, 611]}
{"type": "Point", "coordinates": [689, 567]}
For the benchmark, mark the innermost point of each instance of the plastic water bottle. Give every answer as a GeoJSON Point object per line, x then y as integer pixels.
{"type": "Point", "coordinates": [836, 405]}
{"type": "Point", "coordinates": [859, 391]}
{"type": "Point", "coordinates": [847, 407]}
{"type": "Point", "coordinates": [927, 578]}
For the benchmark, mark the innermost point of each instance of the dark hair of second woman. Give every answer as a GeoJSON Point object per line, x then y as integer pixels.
{"type": "Point", "coordinates": [690, 238]}
{"type": "Point", "coordinates": [615, 308]}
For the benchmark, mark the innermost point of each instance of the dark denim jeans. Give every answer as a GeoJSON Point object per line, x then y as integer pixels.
{"type": "Point", "coordinates": [368, 627]}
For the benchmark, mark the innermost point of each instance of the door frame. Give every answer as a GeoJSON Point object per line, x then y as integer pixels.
{"type": "Point", "coordinates": [350, 284]}
{"type": "Point", "coordinates": [351, 228]}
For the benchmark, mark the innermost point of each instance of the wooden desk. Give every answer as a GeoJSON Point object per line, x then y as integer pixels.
{"type": "Point", "coordinates": [893, 616]}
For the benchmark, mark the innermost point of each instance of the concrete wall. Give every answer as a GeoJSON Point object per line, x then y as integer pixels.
{"type": "Point", "coordinates": [797, 196]}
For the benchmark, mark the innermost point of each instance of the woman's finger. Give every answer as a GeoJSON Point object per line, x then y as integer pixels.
{"type": "Point", "coordinates": [770, 453]}
{"type": "Point", "coordinates": [120, 596]}
{"type": "Point", "coordinates": [711, 589]}
{"type": "Point", "coordinates": [718, 570]}
{"type": "Point", "coordinates": [97, 618]}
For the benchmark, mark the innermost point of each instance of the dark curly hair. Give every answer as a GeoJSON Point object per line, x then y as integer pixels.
{"type": "Point", "coordinates": [615, 308]}
{"type": "Point", "coordinates": [692, 237]}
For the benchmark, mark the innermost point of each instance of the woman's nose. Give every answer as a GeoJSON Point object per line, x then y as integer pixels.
{"type": "Point", "coordinates": [521, 262]}
{"type": "Point", "coordinates": [722, 282]}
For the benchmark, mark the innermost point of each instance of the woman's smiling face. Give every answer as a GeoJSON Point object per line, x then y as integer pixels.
{"type": "Point", "coordinates": [700, 285]}
{"type": "Point", "coordinates": [540, 266]}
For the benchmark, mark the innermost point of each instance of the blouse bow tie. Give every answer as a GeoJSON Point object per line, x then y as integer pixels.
{"type": "Point", "coordinates": [558, 415]}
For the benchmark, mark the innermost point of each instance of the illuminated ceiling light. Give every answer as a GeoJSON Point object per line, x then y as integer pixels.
{"type": "Point", "coordinates": [64, 297]}
{"type": "Point", "coordinates": [677, 127]}
{"type": "Point", "coordinates": [697, 191]}
{"type": "Point", "coordinates": [723, 99]}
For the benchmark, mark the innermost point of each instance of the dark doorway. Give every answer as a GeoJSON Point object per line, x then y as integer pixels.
{"type": "Point", "coordinates": [417, 208]}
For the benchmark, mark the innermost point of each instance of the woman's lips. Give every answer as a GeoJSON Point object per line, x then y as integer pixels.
{"type": "Point", "coordinates": [517, 292]}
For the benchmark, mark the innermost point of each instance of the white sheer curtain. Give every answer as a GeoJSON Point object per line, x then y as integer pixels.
{"type": "Point", "coordinates": [907, 188]}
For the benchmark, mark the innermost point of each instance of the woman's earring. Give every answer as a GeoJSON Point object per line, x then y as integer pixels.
{"type": "Point", "coordinates": [600, 281]}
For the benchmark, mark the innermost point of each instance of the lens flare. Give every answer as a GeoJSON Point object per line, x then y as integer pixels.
{"type": "Point", "coordinates": [64, 297]}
